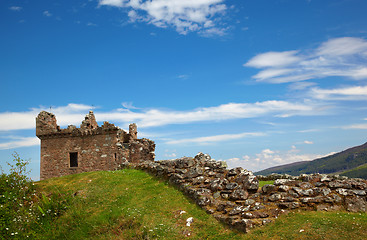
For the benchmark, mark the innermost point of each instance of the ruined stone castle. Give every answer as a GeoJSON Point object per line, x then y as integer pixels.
{"type": "Point", "coordinates": [88, 148]}
{"type": "Point", "coordinates": [232, 196]}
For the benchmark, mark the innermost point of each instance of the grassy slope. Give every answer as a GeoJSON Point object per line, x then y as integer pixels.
{"type": "Point", "coordinates": [339, 162]}
{"type": "Point", "coordinates": [130, 204]}
{"type": "Point", "coordinates": [360, 172]}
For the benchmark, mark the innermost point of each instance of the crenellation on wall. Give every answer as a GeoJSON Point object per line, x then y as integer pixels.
{"type": "Point", "coordinates": [46, 124]}
{"type": "Point", "coordinates": [96, 147]}
{"type": "Point", "coordinates": [133, 132]}
{"type": "Point", "coordinates": [89, 121]}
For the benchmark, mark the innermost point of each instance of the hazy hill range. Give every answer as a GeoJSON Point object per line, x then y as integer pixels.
{"type": "Point", "coordinates": [351, 162]}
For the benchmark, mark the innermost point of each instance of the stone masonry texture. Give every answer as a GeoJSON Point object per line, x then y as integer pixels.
{"type": "Point", "coordinates": [233, 195]}
{"type": "Point", "coordinates": [88, 148]}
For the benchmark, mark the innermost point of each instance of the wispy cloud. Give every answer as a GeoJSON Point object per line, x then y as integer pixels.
{"type": "Point", "coordinates": [301, 85]}
{"type": "Point", "coordinates": [128, 105]}
{"type": "Point", "coordinates": [309, 130]}
{"type": "Point", "coordinates": [356, 126]}
{"type": "Point", "coordinates": [90, 24]}
{"type": "Point", "coordinates": [47, 13]}
{"type": "Point", "coordinates": [183, 76]}
{"type": "Point", "coordinates": [73, 114]}
{"type": "Point", "coordinates": [185, 16]}
{"type": "Point", "coordinates": [156, 117]}
{"type": "Point", "coordinates": [344, 57]}
{"type": "Point", "coordinates": [16, 8]}
{"type": "Point", "coordinates": [345, 93]}
{"type": "Point", "coordinates": [17, 142]}
{"type": "Point", "coordinates": [170, 153]}
{"type": "Point", "coordinates": [216, 138]}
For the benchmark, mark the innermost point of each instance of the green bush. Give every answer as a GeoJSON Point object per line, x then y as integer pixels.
{"type": "Point", "coordinates": [23, 210]}
{"type": "Point", "coordinates": [17, 193]}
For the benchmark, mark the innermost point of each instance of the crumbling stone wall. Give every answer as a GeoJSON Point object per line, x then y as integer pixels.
{"type": "Point", "coordinates": [88, 148]}
{"type": "Point", "coordinates": [233, 196]}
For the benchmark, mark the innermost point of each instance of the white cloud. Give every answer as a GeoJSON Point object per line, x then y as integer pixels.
{"type": "Point", "coordinates": [183, 76]}
{"type": "Point", "coordinates": [309, 130]}
{"type": "Point", "coordinates": [70, 114]}
{"type": "Point", "coordinates": [74, 113]}
{"type": "Point", "coordinates": [216, 138]}
{"type": "Point", "coordinates": [346, 93]}
{"type": "Point", "coordinates": [274, 59]}
{"type": "Point", "coordinates": [186, 16]}
{"type": "Point", "coordinates": [343, 46]}
{"type": "Point", "coordinates": [269, 158]}
{"type": "Point", "coordinates": [47, 13]}
{"type": "Point", "coordinates": [90, 24]}
{"type": "Point", "coordinates": [170, 155]}
{"type": "Point", "coordinates": [15, 8]}
{"type": "Point", "coordinates": [344, 57]}
{"type": "Point", "coordinates": [20, 142]}
{"type": "Point", "coordinates": [128, 105]}
{"type": "Point", "coordinates": [307, 142]}
{"type": "Point", "coordinates": [362, 126]}
{"type": "Point", "coordinates": [301, 85]}
{"type": "Point", "coordinates": [114, 3]}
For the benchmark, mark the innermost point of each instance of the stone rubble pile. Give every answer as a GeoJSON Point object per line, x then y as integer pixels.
{"type": "Point", "coordinates": [233, 195]}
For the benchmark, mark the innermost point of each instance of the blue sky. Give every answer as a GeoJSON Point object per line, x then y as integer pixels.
{"type": "Point", "coordinates": [254, 83]}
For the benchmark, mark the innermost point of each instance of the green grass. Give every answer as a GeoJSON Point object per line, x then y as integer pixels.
{"type": "Point", "coordinates": [262, 183]}
{"type": "Point", "coordinates": [315, 225]}
{"type": "Point", "coordinates": [131, 204]}
{"type": "Point", "coordinates": [360, 172]}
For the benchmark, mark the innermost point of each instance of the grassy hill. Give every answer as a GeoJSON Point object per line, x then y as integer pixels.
{"type": "Point", "coordinates": [348, 163]}
{"type": "Point", "coordinates": [358, 172]}
{"type": "Point", "coordinates": [131, 204]}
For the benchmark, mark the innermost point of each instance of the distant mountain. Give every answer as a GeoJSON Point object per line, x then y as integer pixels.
{"type": "Point", "coordinates": [349, 162]}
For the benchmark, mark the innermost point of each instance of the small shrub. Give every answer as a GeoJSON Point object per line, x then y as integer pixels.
{"type": "Point", "coordinates": [17, 194]}
{"type": "Point", "coordinates": [23, 211]}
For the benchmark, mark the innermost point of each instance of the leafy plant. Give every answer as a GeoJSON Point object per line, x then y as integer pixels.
{"type": "Point", "coordinates": [23, 210]}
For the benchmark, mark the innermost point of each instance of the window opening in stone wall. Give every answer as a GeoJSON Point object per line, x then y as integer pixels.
{"type": "Point", "coordinates": [115, 156]}
{"type": "Point", "coordinates": [73, 159]}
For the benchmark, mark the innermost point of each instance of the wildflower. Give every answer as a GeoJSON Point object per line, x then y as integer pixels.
{"type": "Point", "coordinates": [189, 221]}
